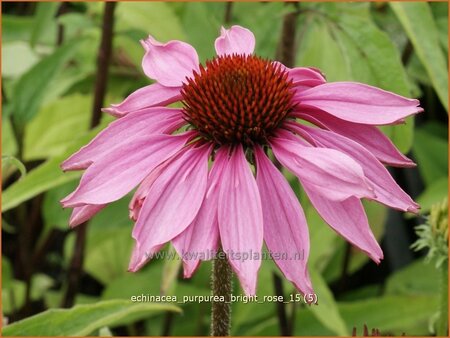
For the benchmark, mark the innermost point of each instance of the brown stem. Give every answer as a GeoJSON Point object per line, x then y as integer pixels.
{"type": "Point", "coordinates": [407, 52]}
{"type": "Point", "coordinates": [60, 34]}
{"type": "Point", "coordinates": [286, 55]}
{"type": "Point", "coordinates": [286, 47]}
{"type": "Point", "coordinates": [345, 266]}
{"type": "Point", "coordinates": [103, 58]}
{"type": "Point", "coordinates": [221, 287]}
{"type": "Point", "coordinates": [167, 324]}
{"type": "Point", "coordinates": [281, 309]}
{"type": "Point", "coordinates": [228, 12]}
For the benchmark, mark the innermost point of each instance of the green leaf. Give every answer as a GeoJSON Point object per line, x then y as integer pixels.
{"type": "Point", "coordinates": [47, 176]}
{"type": "Point", "coordinates": [323, 240]}
{"type": "Point", "coordinates": [326, 311]}
{"type": "Point", "coordinates": [383, 63]}
{"type": "Point", "coordinates": [32, 87]}
{"type": "Point", "coordinates": [392, 315]}
{"type": "Point", "coordinates": [201, 22]}
{"type": "Point", "coordinates": [108, 258]}
{"type": "Point", "coordinates": [75, 24]}
{"type": "Point", "coordinates": [170, 271]}
{"type": "Point", "coordinates": [82, 320]}
{"type": "Point", "coordinates": [9, 161]}
{"type": "Point", "coordinates": [317, 38]}
{"type": "Point", "coordinates": [17, 58]}
{"type": "Point", "coordinates": [105, 332]}
{"type": "Point", "coordinates": [156, 18]}
{"type": "Point", "coordinates": [54, 215]}
{"type": "Point", "coordinates": [431, 152]}
{"type": "Point", "coordinates": [343, 31]}
{"type": "Point", "coordinates": [17, 28]}
{"type": "Point", "coordinates": [45, 11]}
{"type": "Point", "coordinates": [421, 28]}
{"type": "Point", "coordinates": [252, 313]}
{"type": "Point", "coordinates": [9, 142]}
{"type": "Point", "coordinates": [40, 284]}
{"type": "Point", "coordinates": [108, 243]}
{"type": "Point", "coordinates": [7, 273]}
{"type": "Point", "coordinates": [265, 22]}
{"type": "Point", "coordinates": [132, 284]}
{"type": "Point", "coordinates": [13, 297]}
{"type": "Point", "coordinates": [267, 327]}
{"type": "Point", "coordinates": [56, 125]}
{"type": "Point", "coordinates": [418, 278]}
{"type": "Point", "coordinates": [433, 193]}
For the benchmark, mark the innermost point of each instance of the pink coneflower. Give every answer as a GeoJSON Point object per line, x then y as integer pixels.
{"type": "Point", "coordinates": [204, 172]}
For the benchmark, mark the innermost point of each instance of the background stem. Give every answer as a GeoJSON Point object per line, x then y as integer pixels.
{"type": "Point", "coordinates": [221, 286]}
{"type": "Point", "coordinates": [286, 52]}
{"type": "Point", "coordinates": [228, 12]}
{"type": "Point", "coordinates": [281, 309]}
{"type": "Point", "coordinates": [103, 59]}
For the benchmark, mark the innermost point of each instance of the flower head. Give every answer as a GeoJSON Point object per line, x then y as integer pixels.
{"type": "Point", "coordinates": [237, 108]}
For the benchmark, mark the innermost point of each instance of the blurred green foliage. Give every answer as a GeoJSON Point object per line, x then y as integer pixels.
{"type": "Point", "coordinates": [48, 69]}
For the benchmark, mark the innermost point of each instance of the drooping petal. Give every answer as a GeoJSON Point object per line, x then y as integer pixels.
{"type": "Point", "coordinates": [82, 214]}
{"type": "Point", "coordinates": [141, 193]}
{"type": "Point", "coordinates": [200, 240]}
{"type": "Point", "coordinates": [348, 219]}
{"type": "Point", "coordinates": [331, 172]}
{"type": "Point", "coordinates": [359, 103]}
{"type": "Point", "coordinates": [285, 228]}
{"type": "Point", "coordinates": [304, 78]}
{"type": "Point", "coordinates": [236, 40]}
{"type": "Point", "coordinates": [172, 203]}
{"type": "Point", "coordinates": [370, 137]}
{"type": "Point", "coordinates": [169, 63]}
{"type": "Point", "coordinates": [120, 170]}
{"type": "Point", "coordinates": [145, 97]}
{"type": "Point", "coordinates": [240, 219]}
{"type": "Point", "coordinates": [120, 132]}
{"type": "Point", "coordinates": [387, 191]}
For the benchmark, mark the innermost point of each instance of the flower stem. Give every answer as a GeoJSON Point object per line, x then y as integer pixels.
{"type": "Point", "coordinates": [443, 318]}
{"type": "Point", "coordinates": [221, 287]}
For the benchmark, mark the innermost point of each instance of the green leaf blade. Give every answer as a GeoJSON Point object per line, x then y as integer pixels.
{"type": "Point", "coordinates": [425, 39]}
{"type": "Point", "coordinates": [82, 320]}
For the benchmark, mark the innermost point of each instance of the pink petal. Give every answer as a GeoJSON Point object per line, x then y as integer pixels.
{"type": "Point", "coordinates": [120, 170]}
{"type": "Point", "coordinates": [386, 189]}
{"type": "Point", "coordinates": [332, 173]}
{"type": "Point", "coordinates": [304, 78]}
{"type": "Point", "coordinates": [348, 219]}
{"type": "Point", "coordinates": [285, 228]}
{"type": "Point", "coordinates": [84, 213]}
{"type": "Point", "coordinates": [172, 203]}
{"type": "Point", "coordinates": [200, 240]}
{"type": "Point", "coordinates": [241, 220]}
{"type": "Point", "coordinates": [120, 132]}
{"type": "Point", "coordinates": [169, 63]}
{"type": "Point", "coordinates": [236, 40]}
{"type": "Point", "coordinates": [141, 193]}
{"type": "Point", "coordinates": [370, 137]}
{"type": "Point", "coordinates": [145, 97]}
{"type": "Point", "coordinates": [360, 103]}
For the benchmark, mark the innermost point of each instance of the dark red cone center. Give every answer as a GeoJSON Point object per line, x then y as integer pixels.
{"type": "Point", "coordinates": [238, 99]}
